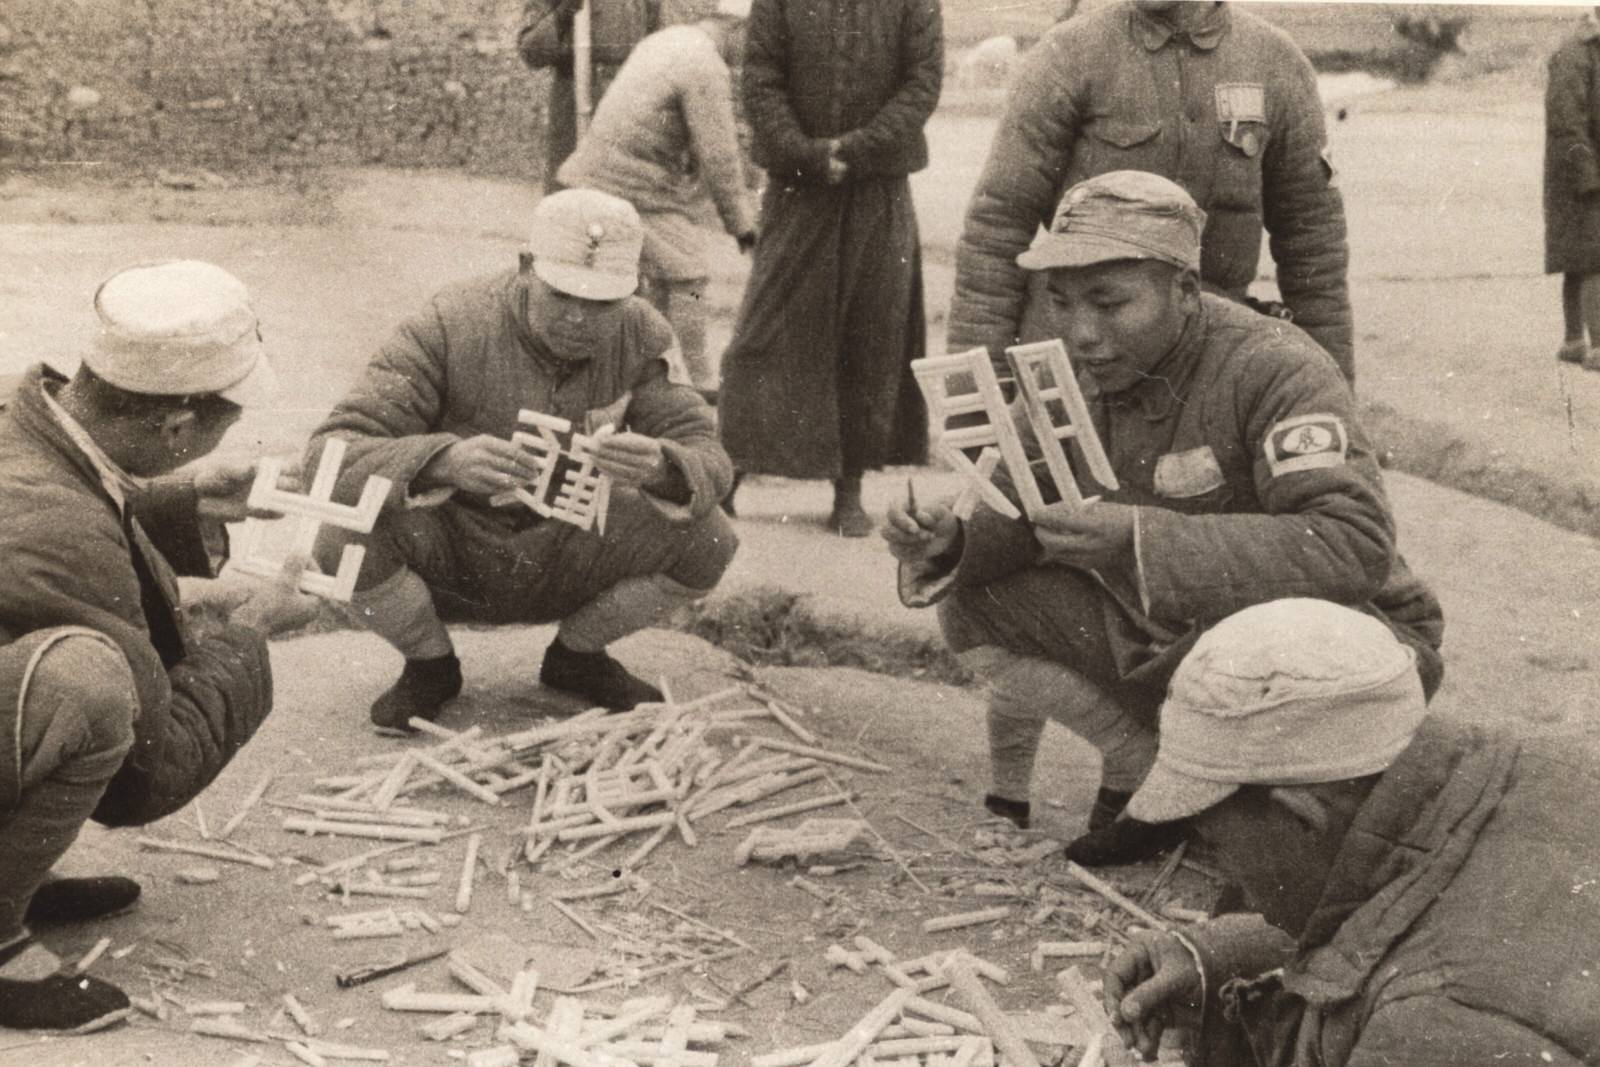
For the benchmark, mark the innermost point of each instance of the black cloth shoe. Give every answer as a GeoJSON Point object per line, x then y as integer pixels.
{"type": "Point", "coordinates": [424, 688]}
{"type": "Point", "coordinates": [1108, 804]}
{"type": "Point", "coordinates": [727, 501]}
{"type": "Point", "coordinates": [1015, 810]}
{"type": "Point", "coordinates": [71, 900]}
{"type": "Point", "coordinates": [596, 677]}
{"type": "Point", "coordinates": [59, 1002]}
{"type": "Point", "coordinates": [1126, 841]}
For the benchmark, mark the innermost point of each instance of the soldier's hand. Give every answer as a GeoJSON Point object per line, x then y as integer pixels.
{"type": "Point", "coordinates": [1091, 536]}
{"type": "Point", "coordinates": [930, 531]}
{"type": "Point", "coordinates": [1152, 984]}
{"type": "Point", "coordinates": [223, 488]}
{"type": "Point", "coordinates": [632, 459]}
{"type": "Point", "coordinates": [275, 605]}
{"type": "Point", "coordinates": [484, 464]}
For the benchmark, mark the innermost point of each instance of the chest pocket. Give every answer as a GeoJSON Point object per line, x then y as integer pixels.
{"type": "Point", "coordinates": [1192, 481]}
{"type": "Point", "coordinates": [1114, 144]}
{"type": "Point", "coordinates": [1243, 131]}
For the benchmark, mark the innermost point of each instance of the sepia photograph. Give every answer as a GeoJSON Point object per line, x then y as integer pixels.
{"type": "Point", "coordinates": [799, 533]}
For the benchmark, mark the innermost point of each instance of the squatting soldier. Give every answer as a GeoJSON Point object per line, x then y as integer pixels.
{"type": "Point", "coordinates": [1205, 94]}
{"type": "Point", "coordinates": [1245, 476]}
{"type": "Point", "coordinates": [111, 706]}
{"type": "Point", "coordinates": [434, 413]}
{"type": "Point", "coordinates": [1422, 890]}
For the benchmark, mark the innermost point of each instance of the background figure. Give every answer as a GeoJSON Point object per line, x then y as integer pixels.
{"type": "Point", "coordinates": [1206, 95]}
{"type": "Point", "coordinates": [666, 123]}
{"type": "Point", "coordinates": [545, 40]}
{"type": "Point", "coordinates": [1572, 190]}
{"type": "Point", "coordinates": [817, 383]}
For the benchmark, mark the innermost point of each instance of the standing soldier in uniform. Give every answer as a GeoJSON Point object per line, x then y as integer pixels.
{"type": "Point", "coordinates": [1572, 190]}
{"type": "Point", "coordinates": [1243, 475]}
{"type": "Point", "coordinates": [664, 133]}
{"type": "Point", "coordinates": [1202, 93]}
{"type": "Point", "coordinates": [817, 381]}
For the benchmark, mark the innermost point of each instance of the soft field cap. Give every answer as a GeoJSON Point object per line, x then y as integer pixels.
{"type": "Point", "coordinates": [1291, 692]}
{"type": "Point", "coordinates": [586, 243]}
{"type": "Point", "coordinates": [1123, 214]}
{"type": "Point", "coordinates": [179, 328]}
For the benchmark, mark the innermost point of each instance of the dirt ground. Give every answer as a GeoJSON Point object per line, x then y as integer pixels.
{"type": "Point", "coordinates": [1457, 331]}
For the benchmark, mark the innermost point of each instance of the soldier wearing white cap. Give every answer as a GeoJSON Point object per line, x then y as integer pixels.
{"type": "Point", "coordinates": [662, 137]}
{"type": "Point", "coordinates": [111, 707]}
{"type": "Point", "coordinates": [1244, 476]}
{"type": "Point", "coordinates": [434, 413]}
{"type": "Point", "coordinates": [1421, 889]}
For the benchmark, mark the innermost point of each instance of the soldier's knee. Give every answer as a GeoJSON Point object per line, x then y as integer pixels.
{"type": "Point", "coordinates": [88, 676]}
{"type": "Point", "coordinates": [710, 549]}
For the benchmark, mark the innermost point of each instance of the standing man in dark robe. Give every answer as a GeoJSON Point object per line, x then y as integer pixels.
{"type": "Point", "coordinates": [817, 381]}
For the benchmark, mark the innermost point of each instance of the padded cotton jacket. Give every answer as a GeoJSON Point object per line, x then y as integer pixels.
{"type": "Point", "coordinates": [68, 559]}
{"type": "Point", "coordinates": [1230, 112]}
{"type": "Point", "coordinates": [1459, 925]}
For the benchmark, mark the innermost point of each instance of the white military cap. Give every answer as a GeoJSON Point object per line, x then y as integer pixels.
{"type": "Point", "coordinates": [1291, 692]}
{"type": "Point", "coordinates": [179, 328]}
{"type": "Point", "coordinates": [587, 243]}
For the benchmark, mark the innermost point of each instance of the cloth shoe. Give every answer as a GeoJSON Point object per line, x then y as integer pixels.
{"type": "Point", "coordinates": [69, 900]}
{"type": "Point", "coordinates": [1015, 810]}
{"type": "Point", "coordinates": [1126, 841]}
{"type": "Point", "coordinates": [1572, 352]}
{"type": "Point", "coordinates": [422, 691]}
{"type": "Point", "coordinates": [59, 1001]}
{"type": "Point", "coordinates": [1108, 804]}
{"type": "Point", "coordinates": [596, 677]}
{"type": "Point", "coordinates": [727, 501]}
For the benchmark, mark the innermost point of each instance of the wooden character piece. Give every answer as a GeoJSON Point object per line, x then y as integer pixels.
{"type": "Point", "coordinates": [568, 486]}
{"type": "Point", "coordinates": [309, 513]}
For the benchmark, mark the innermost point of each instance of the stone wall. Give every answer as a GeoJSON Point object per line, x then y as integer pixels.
{"type": "Point", "coordinates": [236, 84]}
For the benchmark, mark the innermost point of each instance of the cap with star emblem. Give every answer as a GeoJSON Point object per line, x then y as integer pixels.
{"type": "Point", "coordinates": [586, 243]}
{"type": "Point", "coordinates": [1123, 214]}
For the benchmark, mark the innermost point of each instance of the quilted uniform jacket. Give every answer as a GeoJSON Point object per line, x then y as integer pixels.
{"type": "Point", "coordinates": [68, 559]}
{"type": "Point", "coordinates": [467, 363]}
{"type": "Point", "coordinates": [1229, 112]}
{"type": "Point", "coordinates": [665, 124]}
{"type": "Point", "coordinates": [1458, 926]}
{"type": "Point", "coordinates": [1572, 154]}
{"type": "Point", "coordinates": [1233, 509]}
{"type": "Point", "coordinates": [866, 72]}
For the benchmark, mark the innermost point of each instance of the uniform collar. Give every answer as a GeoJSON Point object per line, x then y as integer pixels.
{"type": "Point", "coordinates": [1589, 28]}
{"type": "Point", "coordinates": [117, 482]}
{"type": "Point", "coordinates": [1153, 32]}
{"type": "Point", "coordinates": [1166, 387]}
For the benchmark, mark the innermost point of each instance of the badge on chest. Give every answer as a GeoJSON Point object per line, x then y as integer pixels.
{"type": "Point", "coordinates": [1191, 473]}
{"type": "Point", "coordinates": [1242, 113]}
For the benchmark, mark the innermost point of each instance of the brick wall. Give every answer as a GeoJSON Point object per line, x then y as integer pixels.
{"type": "Point", "coordinates": [238, 83]}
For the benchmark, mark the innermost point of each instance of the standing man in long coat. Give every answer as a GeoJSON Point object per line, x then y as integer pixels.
{"type": "Point", "coordinates": [817, 382]}
{"type": "Point", "coordinates": [1572, 190]}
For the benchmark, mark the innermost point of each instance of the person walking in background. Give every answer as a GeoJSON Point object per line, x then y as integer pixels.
{"type": "Point", "coordinates": [1204, 94]}
{"type": "Point", "coordinates": [1572, 190]}
{"type": "Point", "coordinates": [665, 125]}
{"type": "Point", "coordinates": [817, 381]}
{"type": "Point", "coordinates": [545, 40]}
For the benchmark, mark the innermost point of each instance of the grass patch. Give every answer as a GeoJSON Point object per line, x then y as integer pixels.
{"type": "Point", "coordinates": [772, 627]}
